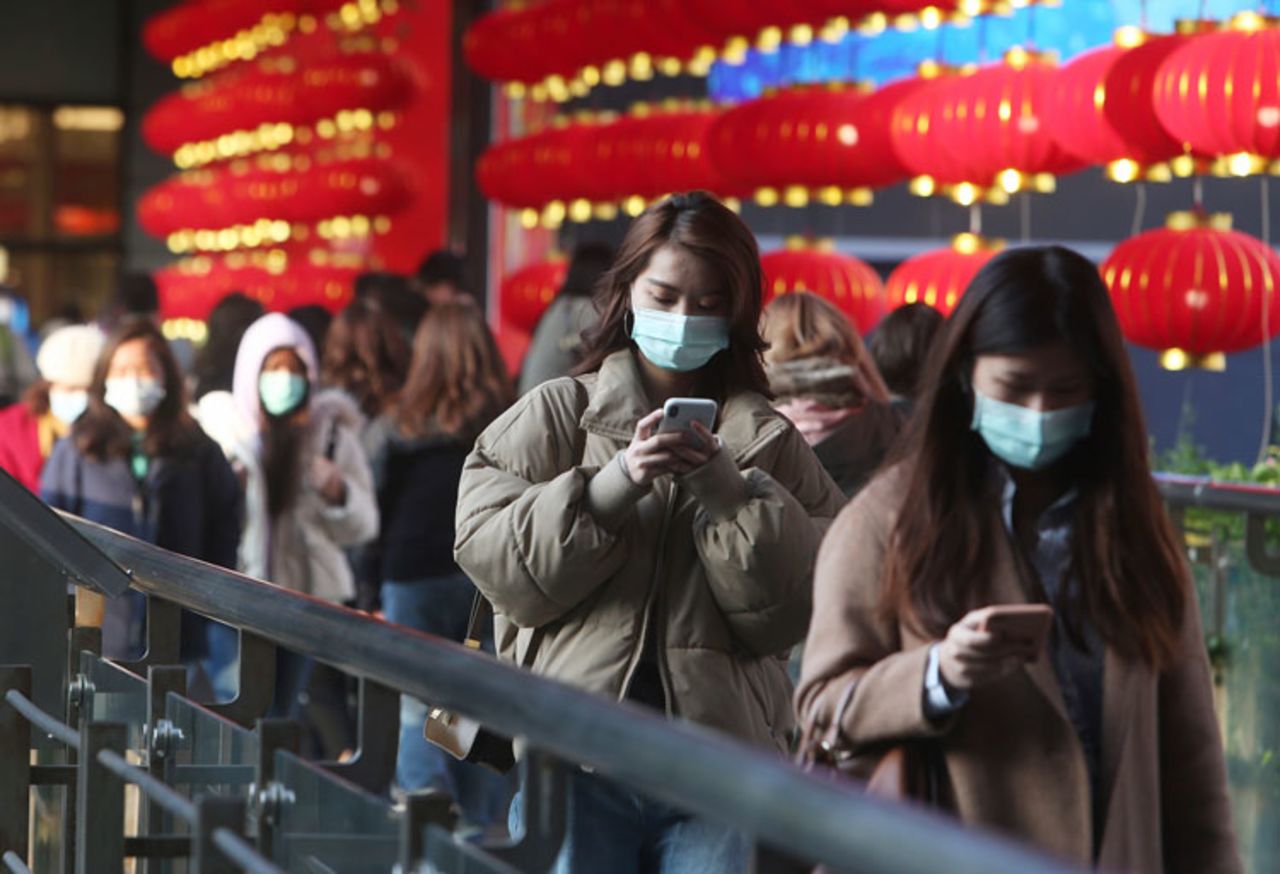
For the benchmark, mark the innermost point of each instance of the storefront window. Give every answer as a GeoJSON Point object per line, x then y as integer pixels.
{"type": "Point", "coordinates": [60, 206]}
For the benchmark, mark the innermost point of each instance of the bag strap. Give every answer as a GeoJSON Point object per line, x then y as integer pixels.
{"type": "Point", "coordinates": [480, 610]}
{"type": "Point", "coordinates": [820, 741]}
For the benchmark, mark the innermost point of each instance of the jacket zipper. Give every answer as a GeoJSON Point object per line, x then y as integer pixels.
{"type": "Point", "coordinates": [650, 602]}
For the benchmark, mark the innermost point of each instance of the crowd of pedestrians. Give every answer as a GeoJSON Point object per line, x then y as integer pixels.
{"type": "Point", "coordinates": [952, 530]}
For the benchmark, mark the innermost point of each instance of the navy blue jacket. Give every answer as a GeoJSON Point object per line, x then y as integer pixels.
{"type": "Point", "coordinates": [189, 503]}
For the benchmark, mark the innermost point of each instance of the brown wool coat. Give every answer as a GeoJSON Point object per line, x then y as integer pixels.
{"type": "Point", "coordinates": [1013, 760]}
{"type": "Point", "coordinates": [714, 569]}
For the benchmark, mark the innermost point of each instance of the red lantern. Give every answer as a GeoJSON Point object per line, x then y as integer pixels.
{"type": "Point", "coordinates": [1129, 106]}
{"type": "Point", "coordinates": [916, 125]}
{"type": "Point", "coordinates": [939, 278]}
{"type": "Point", "coordinates": [997, 130]}
{"type": "Point", "coordinates": [852, 285]}
{"type": "Point", "coordinates": [812, 136]}
{"type": "Point", "coordinates": [1077, 117]}
{"type": "Point", "coordinates": [1195, 289]}
{"type": "Point", "coordinates": [525, 294]}
{"type": "Point", "coordinates": [1220, 93]}
{"type": "Point", "coordinates": [986, 128]}
{"type": "Point", "coordinates": [271, 93]}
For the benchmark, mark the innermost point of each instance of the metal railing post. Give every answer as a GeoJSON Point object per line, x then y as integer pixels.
{"type": "Point", "coordinates": [422, 810]}
{"type": "Point", "coordinates": [545, 795]}
{"type": "Point", "coordinates": [257, 681]}
{"type": "Point", "coordinates": [377, 738]}
{"type": "Point", "coordinates": [99, 801]}
{"type": "Point", "coordinates": [161, 680]}
{"type": "Point", "coordinates": [273, 735]}
{"type": "Point", "coordinates": [15, 764]}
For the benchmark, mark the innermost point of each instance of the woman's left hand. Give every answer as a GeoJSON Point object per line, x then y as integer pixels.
{"type": "Point", "coordinates": [327, 479]}
{"type": "Point", "coordinates": [698, 447]}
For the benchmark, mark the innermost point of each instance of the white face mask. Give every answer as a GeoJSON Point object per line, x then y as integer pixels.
{"type": "Point", "coordinates": [131, 396]}
{"type": "Point", "coordinates": [68, 405]}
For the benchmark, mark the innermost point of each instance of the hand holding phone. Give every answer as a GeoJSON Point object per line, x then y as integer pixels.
{"type": "Point", "coordinates": [992, 642]}
{"type": "Point", "coordinates": [674, 440]}
{"type": "Point", "coordinates": [1025, 627]}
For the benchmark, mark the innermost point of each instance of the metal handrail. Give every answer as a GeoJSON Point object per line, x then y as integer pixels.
{"type": "Point", "coordinates": [690, 767]}
{"type": "Point", "coordinates": [1209, 494]}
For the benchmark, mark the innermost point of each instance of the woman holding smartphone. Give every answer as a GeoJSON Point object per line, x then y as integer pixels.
{"type": "Point", "coordinates": [1025, 480]}
{"type": "Point", "coordinates": [668, 568]}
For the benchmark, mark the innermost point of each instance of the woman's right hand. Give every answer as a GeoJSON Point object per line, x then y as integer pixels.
{"type": "Point", "coordinates": [651, 454]}
{"type": "Point", "coordinates": [970, 657]}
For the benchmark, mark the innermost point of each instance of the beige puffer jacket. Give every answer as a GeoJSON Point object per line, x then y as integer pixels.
{"type": "Point", "coordinates": [716, 566]}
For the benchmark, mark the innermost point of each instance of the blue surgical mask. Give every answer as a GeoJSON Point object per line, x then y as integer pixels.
{"type": "Point", "coordinates": [281, 391]}
{"type": "Point", "coordinates": [678, 342]}
{"type": "Point", "coordinates": [68, 405]}
{"type": "Point", "coordinates": [1026, 438]}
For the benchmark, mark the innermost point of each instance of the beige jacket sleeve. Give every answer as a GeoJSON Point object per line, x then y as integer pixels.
{"type": "Point", "coordinates": [1195, 810]}
{"type": "Point", "coordinates": [852, 640]}
{"type": "Point", "coordinates": [526, 536]}
{"type": "Point", "coordinates": [757, 534]}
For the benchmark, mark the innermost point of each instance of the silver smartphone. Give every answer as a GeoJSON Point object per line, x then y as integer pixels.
{"type": "Point", "coordinates": [679, 414]}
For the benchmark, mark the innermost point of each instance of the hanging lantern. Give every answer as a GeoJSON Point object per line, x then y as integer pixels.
{"type": "Point", "coordinates": [526, 294]}
{"type": "Point", "coordinates": [849, 283]}
{"type": "Point", "coordinates": [939, 278]}
{"type": "Point", "coordinates": [1101, 111]}
{"type": "Point", "coordinates": [1194, 289]}
{"type": "Point", "coordinates": [1130, 110]}
{"type": "Point", "coordinates": [985, 131]}
{"type": "Point", "coordinates": [997, 129]}
{"type": "Point", "coordinates": [828, 141]}
{"type": "Point", "coordinates": [1220, 93]}
{"type": "Point", "coordinates": [916, 129]}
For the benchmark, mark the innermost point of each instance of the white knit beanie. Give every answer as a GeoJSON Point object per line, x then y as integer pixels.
{"type": "Point", "coordinates": [69, 355]}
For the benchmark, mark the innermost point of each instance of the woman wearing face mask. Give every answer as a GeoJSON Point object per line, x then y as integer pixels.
{"type": "Point", "coordinates": [137, 462]}
{"type": "Point", "coordinates": [29, 430]}
{"type": "Point", "coordinates": [1025, 479]}
{"type": "Point", "coordinates": [308, 488]}
{"type": "Point", "coordinates": [670, 570]}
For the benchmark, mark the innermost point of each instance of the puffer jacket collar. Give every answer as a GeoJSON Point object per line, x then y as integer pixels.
{"type": "Point", "coordinates": [618, 402]}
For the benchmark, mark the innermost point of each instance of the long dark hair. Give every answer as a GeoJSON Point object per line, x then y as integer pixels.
{"type": "Point", "coordinates": [457, 384]}
{"type": "Point", "coordinates": [711, 231]}
{"type": "Point", "coordinates": [101, 434]}
{"type": "Point", "coordinates": [365, 355]}
{"type": "Point", "coordinates": [216, 364]}
{"type": "Point", "coordinates": [1132, 579]}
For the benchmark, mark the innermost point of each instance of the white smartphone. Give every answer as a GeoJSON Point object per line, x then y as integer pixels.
{"type": "Point", "coordinates": [679, 414]}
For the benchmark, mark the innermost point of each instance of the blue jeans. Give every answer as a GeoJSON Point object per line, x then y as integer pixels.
{"type": "Point", "coordinates": [610, 828]}
{"type": "Point", "coordinates": [440, 606]}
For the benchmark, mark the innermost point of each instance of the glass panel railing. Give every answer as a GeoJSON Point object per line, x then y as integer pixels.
{"type": "Point", "coordinates": [1240, 606]}
{"type": "Point", "coordinates": [214, 754]}
{"type": "Point", "coordinates": [118, 696]}
{"type": "Point", "coordinates": [328, 824]}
